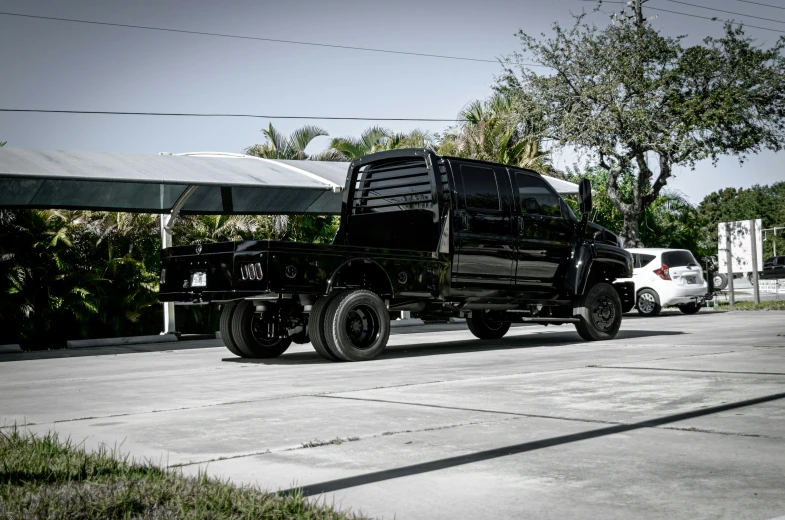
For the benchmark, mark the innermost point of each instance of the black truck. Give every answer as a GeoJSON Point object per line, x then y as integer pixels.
{"type": "Point", "coordinates": [439, 236]}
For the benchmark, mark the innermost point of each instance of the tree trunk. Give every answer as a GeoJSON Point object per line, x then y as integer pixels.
{"type": "Point", "coordinates": [629, 231]}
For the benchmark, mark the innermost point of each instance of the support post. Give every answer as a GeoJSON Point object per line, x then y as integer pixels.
{"type": "Point", "coordinates": [729, 261]}
{"type": "Point", "coordinates": [166, 242]}
{"type": "Point", "coordinates": [755, 288]}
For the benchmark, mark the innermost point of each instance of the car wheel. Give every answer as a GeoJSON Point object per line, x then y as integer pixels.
{"type": "Point", "coordinates": [316, 322]}
{"type": "Point", "coordinates": [689, 308]}
{"type": "Point", "coordinates": [357, 325]}
{"type": "Point", "coordinates": [225, 326]}
{"type": "Point", "coordinates": [483, 326]}
{"type": "Point", "coordinates": [256, 334]}
{"type": "Point", "coordinates": [720, 281]}
{"type": "Point", "coordinates": [599, 313]}
{"type": "Point", "coordinates": [648, 303]}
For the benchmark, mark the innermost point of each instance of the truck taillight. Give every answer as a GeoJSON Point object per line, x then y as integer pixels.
{"type": "Point", "coordinates": [251, 271]}
{"type": "Point", "coordinates": [663, 272]}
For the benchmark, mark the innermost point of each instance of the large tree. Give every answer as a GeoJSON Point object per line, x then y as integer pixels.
{"type": "Point", "coordinates": [641, 103]}
{"type": "Point", "coordinates": [378, 139]}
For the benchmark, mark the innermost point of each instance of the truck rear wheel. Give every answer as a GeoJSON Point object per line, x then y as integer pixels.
{"type": "Point", "coordinates": [483, 326]}
{"type": "Point", "coordinates": [599, 313]}
{"type": "Point", "coordinates": [357, 325]}
{"type": "Point", "coordinates": [316, 322]}
{"type": "Point", "coordinates": [257, 334]}
{"type": "Point", "coordinates": [225, 326]}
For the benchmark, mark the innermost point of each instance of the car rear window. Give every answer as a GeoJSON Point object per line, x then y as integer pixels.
{"type": "Point", "coordinates": [678, 259]}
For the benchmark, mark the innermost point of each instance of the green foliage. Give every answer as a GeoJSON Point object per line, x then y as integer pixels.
{"type": "Point", "coordinates": [378, 139]}
{"type": "Point", "coordinates": [47, 289]}
{"type": "Point", "coordinates": [489, 131]}
{"type": "Point", "coordinates": [731, 204]}
{"type": "Point", "coordinates": [44, 477]}
{"type": "Point", "coordinates": [671, 221]}
{"type": "Point", "coordinates": [625, 94]}
{"type": "Point", "coordinates": [279, 146]}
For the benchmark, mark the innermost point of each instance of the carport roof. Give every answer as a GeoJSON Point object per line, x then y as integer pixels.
{"type": "Point", "coordinates": [224, 183]}
{"type": "Point", "coordinates": [196, 183]}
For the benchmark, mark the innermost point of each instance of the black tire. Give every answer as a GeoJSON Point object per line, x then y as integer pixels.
{"type": "Point", "coordinates": [720, 281]}
{"type": "Point", "coordinates": [316, 327]}
{"type": "Point", "coordinates": [599, 313]}
{"type": "Point", "coordinates": [249, 334]}
{"type": "Point", "coordinates": [484, 327]}
{"type": "Point", "coordinates": [357, 325]}
{"type": "Point", "coordinates": [225, 326]}
{"type": "Point", "coordinates": [648, 302]}
{"type": "Point", "coordinates": [690, 308]}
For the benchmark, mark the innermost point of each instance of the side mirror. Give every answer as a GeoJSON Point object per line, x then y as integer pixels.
{"type": "Point", "coordinates": [584, 196]}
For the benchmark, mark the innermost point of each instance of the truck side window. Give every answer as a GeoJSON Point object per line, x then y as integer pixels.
{"type": "Point", "coordinates": [536, 198]}
{"type": "Point", "coordinates": [480, 188]}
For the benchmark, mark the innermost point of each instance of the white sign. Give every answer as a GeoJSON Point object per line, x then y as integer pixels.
{"type": "Point", "coordinates": [741, 246]}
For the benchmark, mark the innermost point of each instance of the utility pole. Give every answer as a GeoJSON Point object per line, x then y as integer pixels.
{"type": "Point", "coordinates": [754, 242]}
{"type": "Point", "coordinates": [729, 261]}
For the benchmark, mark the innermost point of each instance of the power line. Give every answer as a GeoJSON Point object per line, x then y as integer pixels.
{"type": "Point", "coordinates": [727, 12]}
{"type": "Point", "coordinates": [255, 38]}
{"type": "Point", "coordinates": [713, 18]}
{"type": "Point", "coordinates": [256, 116]}
{"type": "Point", "coordinates": [764, 5]}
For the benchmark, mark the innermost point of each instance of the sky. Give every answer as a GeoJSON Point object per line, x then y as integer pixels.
{"type": "Point", "coordinates": [60, 65]}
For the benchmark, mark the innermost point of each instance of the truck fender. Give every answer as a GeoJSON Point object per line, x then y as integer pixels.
{"type": "Point", "coordinates": [579, 268]}
{"type": "Point", "coordinates": [367, 263]}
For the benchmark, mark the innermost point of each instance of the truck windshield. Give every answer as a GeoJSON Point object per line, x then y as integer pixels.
{"type": "Point", "coordinates": [678, 259]}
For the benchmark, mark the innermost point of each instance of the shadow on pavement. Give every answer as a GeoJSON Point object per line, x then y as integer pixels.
{"type": "Point", "coordinates": [451, 462]}
{"type": "Point", "coordinates": [534, 340]}
{"type": "Point", "coordinates": [111, 351]}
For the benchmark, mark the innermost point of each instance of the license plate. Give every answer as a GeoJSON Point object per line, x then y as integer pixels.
{"type": "Point", "coordinates": [199, 279]}
{"type": "Point", "coordinates": [690, 279]}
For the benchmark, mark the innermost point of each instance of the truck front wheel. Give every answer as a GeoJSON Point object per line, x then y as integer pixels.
{"type": "Point", "coordinates": [357, 325]}
{"type": "Point", "coordinates": [483, 326]}
{"type": "Point", "coordinates": [599, 313]}
{"type": "Point", "coordinates": [258, 334]}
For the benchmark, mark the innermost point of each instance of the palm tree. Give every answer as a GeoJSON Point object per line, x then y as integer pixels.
{"type": "Point", "coordinates": [489, 131]}
{"type": "Point", "coordinates": [279, 146]}
{"type": "Point", "coordinates": [378, 139]}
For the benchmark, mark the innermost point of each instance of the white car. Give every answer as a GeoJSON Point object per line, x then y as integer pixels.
{"type": "Point", "coordinates": [667, 278]}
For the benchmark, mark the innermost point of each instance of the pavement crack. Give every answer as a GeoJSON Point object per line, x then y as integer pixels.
{"type": "Point", "coordinates": [691, 370]}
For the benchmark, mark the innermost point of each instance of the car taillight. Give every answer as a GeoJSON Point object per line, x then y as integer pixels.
{"type": "Point", "coordinates": [663, 272]}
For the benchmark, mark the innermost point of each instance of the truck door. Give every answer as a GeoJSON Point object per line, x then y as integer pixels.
{"type": "Point", "coordinates": [484, 246]}
{"type": "Point", "coordinates": [545, 235]}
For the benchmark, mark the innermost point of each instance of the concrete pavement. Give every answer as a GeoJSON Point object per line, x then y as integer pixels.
{"type": "Point", "coordinates": [679, 417]}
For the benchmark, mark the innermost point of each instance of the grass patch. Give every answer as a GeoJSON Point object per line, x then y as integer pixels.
{"type": "Point", "coordinates": [773, 305]}
{"type": "Point", "coordinates": [45, 477]}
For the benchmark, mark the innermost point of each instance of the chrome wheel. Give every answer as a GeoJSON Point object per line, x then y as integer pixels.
{"type": "Point", "coordinates": [646, 303]}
